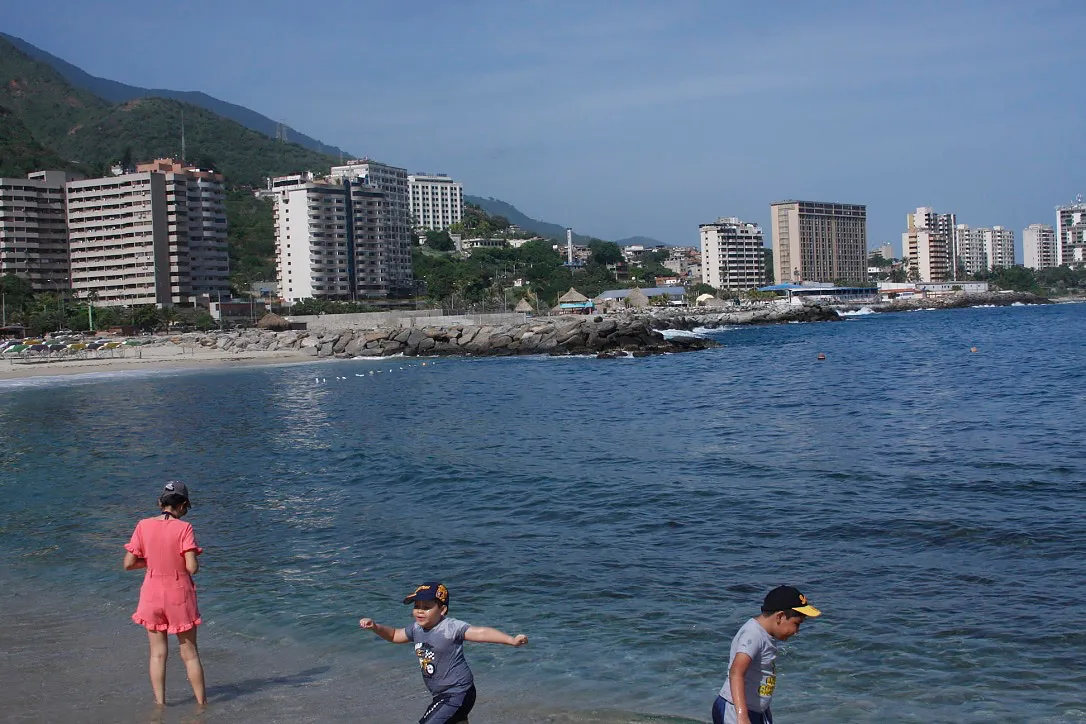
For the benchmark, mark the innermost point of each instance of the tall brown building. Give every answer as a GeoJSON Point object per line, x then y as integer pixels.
{"type": "Point", "coordinates": [817, 241]}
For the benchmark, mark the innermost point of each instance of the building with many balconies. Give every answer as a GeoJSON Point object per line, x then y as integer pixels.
{"type": "Point", "coordinates": [33, 233]}
{"type": "Point", "coordinates": [1071, 234]}
{"type": "Point", "coordinates": [436, 201]}
{"type": "Point", "coordinates": [1039, 246]}
{"type": "Point", "coordinates": [137, 238]}
{"type": "Point", "coordinates": [732, 254]}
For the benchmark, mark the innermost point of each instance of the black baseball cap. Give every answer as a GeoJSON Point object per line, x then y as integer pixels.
{"type": "Point", "coordinates": [431, 591]}
{"type": "Point", "coordinates": [784, 598]}
{"type": "Point", "coordinates": [176, 487]}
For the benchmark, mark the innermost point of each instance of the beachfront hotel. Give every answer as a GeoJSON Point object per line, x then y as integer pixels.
{"type": "Point", "coordinates": [436, 201]}
{"type": "Point", "coordinates": [330, 240]}
{"type": "Point", "coordinates": [33, 234]}
{"type": "Point", "coordinates": [1071, 234]}
{"type": "Point", "coordinates": [732, 254]}
{"type": "Point", "coordinates": [819, 241]}
{"type": "Point", "coordinates": [1039, 246]}
{"type": "Point", "coordinates": [138, 238]}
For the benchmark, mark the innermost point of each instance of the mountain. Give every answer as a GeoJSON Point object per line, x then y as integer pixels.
{"type": "Point", "coordinates": [80, 127]}
{"type": "Point", "coordinates": [20, 153]}
{"type": "Point", "coordinates": [114, 92]}
{"type": "Point", "coordinates": [496, 207]}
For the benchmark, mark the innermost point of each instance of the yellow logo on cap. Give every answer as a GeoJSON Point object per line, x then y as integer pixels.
{"type": "Point", "coordinates": [802, 599]}
{"type": "Point", "coordinates": [442, 593]}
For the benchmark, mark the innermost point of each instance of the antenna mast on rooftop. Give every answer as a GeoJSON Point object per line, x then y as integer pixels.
{"type": "Point", "coordinates": [182, 135]}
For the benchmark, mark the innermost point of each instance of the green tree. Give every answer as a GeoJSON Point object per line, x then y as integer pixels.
{"type": "Point", "coordinates": [440, 241]}
{"type": "Point", "coordinates": [604, 252]}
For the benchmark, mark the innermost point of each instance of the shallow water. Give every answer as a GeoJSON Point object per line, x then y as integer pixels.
{"type": "Point", "coordinates": [628, 515]}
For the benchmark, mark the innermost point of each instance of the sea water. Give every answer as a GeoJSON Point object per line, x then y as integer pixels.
{"type": "Point", "coordinates": [628, 515]}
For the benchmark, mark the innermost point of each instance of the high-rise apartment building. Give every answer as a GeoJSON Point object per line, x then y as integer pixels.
{"type": "Point", "coordinates": [999, 246]}
{"type": "Point", "coordinates": [393, 226]}
{"type": "Point", "coordinates": [819, 241]}
{"type": "Point", "coordinates": [196, 217]}
{"type": "Point", "coordinates": [436, 201]}
{"type": "Point", "coordinates": [137, 238]}
{"type": "Point", "coordinates": [732, 254]}
{"type": "Point", "coordinates": [1071, 234]}
{"type": "Point", "coordinates": [941, 225]}
{"type": "Point", "coordinates": [33, 234]}
{"type": "Point", "coordinates": [1039, 246]}
{"type": "Point", "coordinates": [972, 250]}
{"type": "Point", "coordinates": [329, 239]}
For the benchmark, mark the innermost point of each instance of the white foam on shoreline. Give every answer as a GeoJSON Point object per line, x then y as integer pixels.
{"type": "Point", "coordinates": [861, 312]}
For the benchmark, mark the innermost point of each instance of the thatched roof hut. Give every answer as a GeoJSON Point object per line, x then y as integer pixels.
{"type": "Point", "coordinates": [572, 297]}
{"type": "Point", "coordinates": [273, 322]}
{"type": "Point", "coordinates": [524, 307]}
{"type": "Point", "coordinates": [637, 299]}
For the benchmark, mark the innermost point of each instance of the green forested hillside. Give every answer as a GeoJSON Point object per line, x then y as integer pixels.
{"type": "Point", "coordinates": [150, 128]}
{"type": "Point", "coordinates": [20, 153]}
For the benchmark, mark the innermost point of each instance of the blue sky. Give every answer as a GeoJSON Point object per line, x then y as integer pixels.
{"type": "Point", "coordinates": [624, 118]}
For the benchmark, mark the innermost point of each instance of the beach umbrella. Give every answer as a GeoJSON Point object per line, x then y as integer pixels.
{"type": "Point", "coordinates": [524, 306]}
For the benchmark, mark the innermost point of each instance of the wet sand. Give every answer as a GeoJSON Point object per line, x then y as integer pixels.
{"type": "Point", "coordinates": [149, 358]}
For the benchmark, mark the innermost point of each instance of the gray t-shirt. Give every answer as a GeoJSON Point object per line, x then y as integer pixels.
{"type": "Point", "coordinates": [761, 676]}
{"type": "Point", "coordinates": [441, 656]}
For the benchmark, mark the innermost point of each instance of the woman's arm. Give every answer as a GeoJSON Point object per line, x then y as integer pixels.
{"type": "Point", "coordinates": [131, 562]}
{"type": "Point", "coordinates": [487, 635]}
{"type": "Point", "coordinates": [192, 564]}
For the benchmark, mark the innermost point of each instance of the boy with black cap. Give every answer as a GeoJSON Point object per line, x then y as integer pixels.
{"type": "Point", "coordinates": [752, 665]}
{"type": "Point", "coordinates": [439, 646]}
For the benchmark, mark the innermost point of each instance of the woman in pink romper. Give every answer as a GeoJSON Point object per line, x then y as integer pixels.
{"type": "Point", "coordinates": [166, 546]}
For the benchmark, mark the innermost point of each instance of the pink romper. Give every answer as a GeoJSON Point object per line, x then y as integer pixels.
{"type": "Point", "coordinates": [168, 596]}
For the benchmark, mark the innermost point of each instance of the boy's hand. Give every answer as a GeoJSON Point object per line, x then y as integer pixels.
{"type": "Point", "coordinates": [520, 640]}
{"type": "Point", "coordinates": [366, 623]}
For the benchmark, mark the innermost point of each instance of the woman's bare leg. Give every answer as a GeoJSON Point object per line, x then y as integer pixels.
{"type": "Point", "coordinates": [156, 640]}
{"type": "Point", "coordinates": [190, 653]}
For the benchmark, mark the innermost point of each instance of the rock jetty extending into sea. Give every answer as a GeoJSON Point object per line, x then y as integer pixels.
{"type": "Point", "coordinates": [629, 333]}
{"type": "Point", "coordinates": [957, 301]}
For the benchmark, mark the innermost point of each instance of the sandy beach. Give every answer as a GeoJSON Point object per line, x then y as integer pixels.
{"type": "Point", "coordinates": [149, 358]}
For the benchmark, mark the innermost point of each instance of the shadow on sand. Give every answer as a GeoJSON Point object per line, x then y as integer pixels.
{"type": "Point", "coordinates": [229, 692]}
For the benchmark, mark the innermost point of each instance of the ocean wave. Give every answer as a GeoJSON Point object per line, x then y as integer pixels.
{"type": "Point", "coordinates": [862, 312]}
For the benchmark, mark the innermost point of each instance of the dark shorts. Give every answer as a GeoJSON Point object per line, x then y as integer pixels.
{"type": "Point", "coordinates": [449, 708]}
{"type": "Point", "coordinates": [756, 717]}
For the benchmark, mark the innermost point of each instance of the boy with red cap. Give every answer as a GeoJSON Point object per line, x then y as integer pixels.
{"type": "Point", "coordinates": [439, 646]}
{"type": "Point", "coordinates": [752, 665]}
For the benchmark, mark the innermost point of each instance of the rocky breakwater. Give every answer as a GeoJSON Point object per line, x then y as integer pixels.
{"type": "Point", "coordinates": [768, 313]}
{"type": "Point", "coordinates": [549, 335]}
{"type": "Point", "coordinates": [955, 301]}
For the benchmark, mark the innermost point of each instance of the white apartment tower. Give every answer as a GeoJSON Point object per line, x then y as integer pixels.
{"type": "Point", "coordinates": [999, 246]}
{"type": "Point", "coordinates": [819, 241]}
{"type": "Point", "coordinates": [732, 254]}
{"type": "Point", "coordinates": [972, 249]}
{"type": "Point", "coordinates": [1071, 234]}
{"type": "Point", "coordinates": [393, 226]}
{"type": "Point", "coordinates": [927, 245]}
{"type": "Point", "coordinates": [1039, 246]}
{"type": "Point", "coordinates": [944, 225]}
{"type": "Point", "coordinates": [156, 236]}
{"type": "Point", "coordinates": [33, 235]}
{"type": "Point", "coordinates": [436, 201]}
{"type": "Point", "coordinates": [329, 241]}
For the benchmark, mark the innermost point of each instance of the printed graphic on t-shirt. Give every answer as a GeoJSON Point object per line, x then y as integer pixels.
{"type": "Point", "coordinates": [426, 655]}
{"type": "Point", "coordinates": [767, 688]}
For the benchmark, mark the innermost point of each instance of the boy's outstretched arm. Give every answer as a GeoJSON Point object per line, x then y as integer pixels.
{"type": "Point", "coordinates": [487, 635]}
{"type": "Point", "coordinates": [393, 635]}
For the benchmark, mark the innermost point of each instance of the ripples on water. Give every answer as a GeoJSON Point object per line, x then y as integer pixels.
{"type": "Point", "coordinates": [627, 514]}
